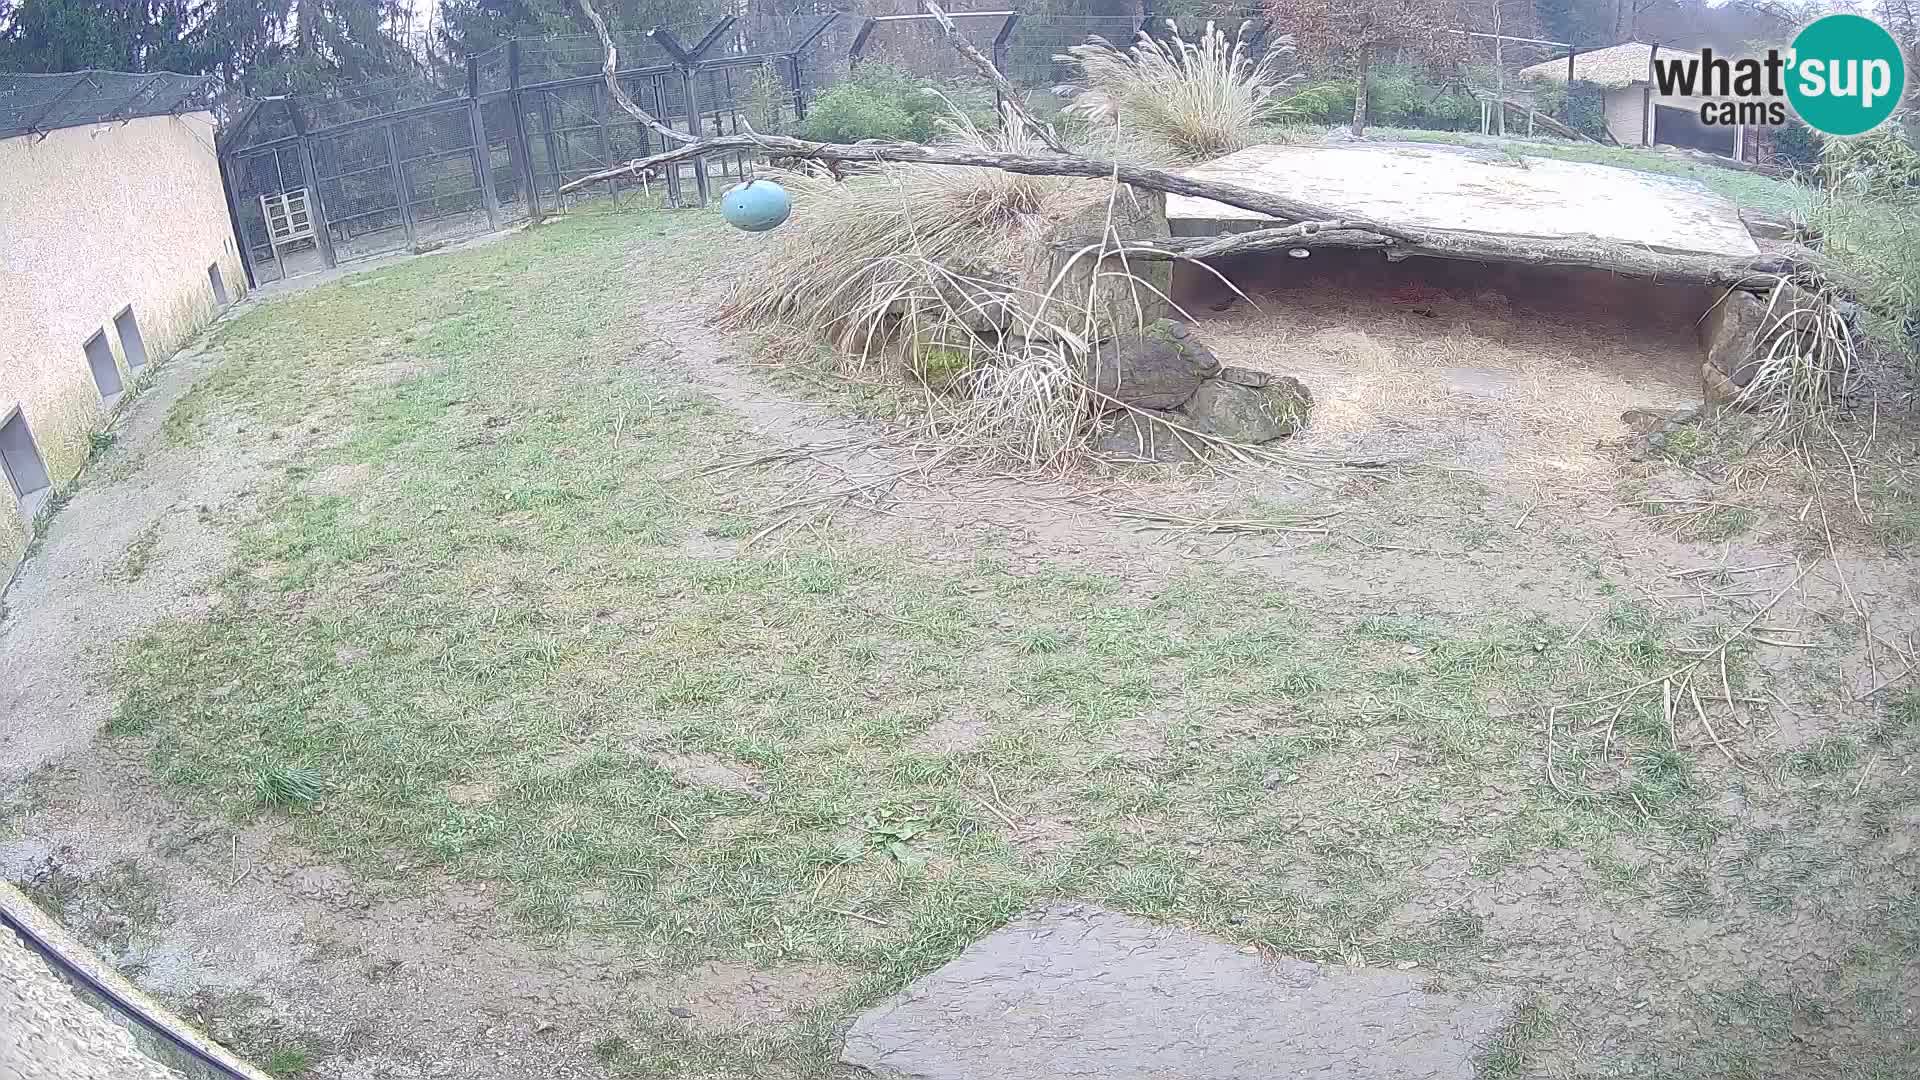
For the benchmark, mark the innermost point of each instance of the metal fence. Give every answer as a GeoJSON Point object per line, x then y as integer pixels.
{"type": "Point", "coordinates": [410, 163]}
{"type": "Point", "coordinates": [38, 104]}
{"type": "Point", "coordinates": [314, 181]}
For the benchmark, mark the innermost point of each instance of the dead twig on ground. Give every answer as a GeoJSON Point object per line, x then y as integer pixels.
{"type": "Point", "coordinates": [1150, 520]}
{"type": "Point", "coordinates": [1682, 676]}
{"type": "Point", "coordinates": [857, 915]}
{"type": "Point", "coordinates": [1718, 570]}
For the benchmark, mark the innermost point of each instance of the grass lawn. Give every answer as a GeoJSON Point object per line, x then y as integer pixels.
{"type": "Point", "coordinates": [506, 633]}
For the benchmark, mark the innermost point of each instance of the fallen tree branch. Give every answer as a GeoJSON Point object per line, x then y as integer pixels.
{"type": "Point", "coordinates": [1550, 123]}
{"type": "Point", "coordinates": [1567, 252]}
{"type": "Point", "coordinates": [607, 68]}
{"type": "Point", "coordinates": [1277, 206]}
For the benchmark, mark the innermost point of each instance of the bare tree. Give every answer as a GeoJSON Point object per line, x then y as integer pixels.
{"type": "Point", "coordinates": [1355, 30]}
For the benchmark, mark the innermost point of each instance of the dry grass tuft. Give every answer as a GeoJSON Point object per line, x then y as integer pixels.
{"type": "Point", "coordinates": [924, 270]}
{"type": "Point", "coordinates": [1805, 365]}
{"type": "Point", "coordinates": [1182, 102]}
{"type": "Point", "coordinates": [860, 244]}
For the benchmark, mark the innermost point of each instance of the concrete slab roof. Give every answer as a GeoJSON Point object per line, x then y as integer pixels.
{"type": "Point", "coordinates": [1469, 189]}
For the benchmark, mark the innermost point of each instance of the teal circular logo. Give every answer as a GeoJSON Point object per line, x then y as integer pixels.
{"type": "Point", "coordinates": [1847, 75]}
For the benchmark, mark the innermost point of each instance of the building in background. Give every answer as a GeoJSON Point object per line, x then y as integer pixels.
{"type": "Point", "coordinates": [1635, 112]}
{"type": "Point", "coordinates": [116, 245]}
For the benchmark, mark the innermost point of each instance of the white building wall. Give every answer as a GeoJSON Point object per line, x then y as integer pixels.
{"type": "Point", "coordinates": [94, 219]}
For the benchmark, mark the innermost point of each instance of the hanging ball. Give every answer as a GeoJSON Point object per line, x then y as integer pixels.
{"type": "Point", "coordinates": [756, 206]}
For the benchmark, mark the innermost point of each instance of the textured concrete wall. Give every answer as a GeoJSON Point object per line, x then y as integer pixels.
{"type": "Point", "coordinates": [93, 219]}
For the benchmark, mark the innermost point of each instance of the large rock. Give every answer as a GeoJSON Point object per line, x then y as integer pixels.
{"type": "Point", "coordinates": [1076, 991]}
{"type": "Point", "coordinates": [1228, 408]}
{"type": "Point", "coordinates": [1157, 368]}
{"type": "Point", "coordinates": [1732, 333]}
{"type": "Point", "coordinates": [1120, 303]}
{"type": "Point", "coordinates": [1143, 434]}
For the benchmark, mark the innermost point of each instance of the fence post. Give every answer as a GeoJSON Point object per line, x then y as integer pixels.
{"type": "Point", "coordinates": [553, 148]}
{"type": "Point", "coordinates": [606, 138]}
{"type": "Point", "coordinates": [688, 89]}
{"type": "Point", "coordinates": [1000, 54]}
{"type": "Point", "coordinates": [400, 187]}
{"type": "Point", "coordinates": [799, 90]}
{"type": "Point", "coordinates": [482, 149]}
{"type": "Point", "coordinates": [226, 161]}
{"type": "Point", "coordinates": [517, 134]}
{"type": "Point", "coordinates": [799, 79]}
{"type": "Point", "coordinates": [309, 178]}
{"type": "Point", "coordinates": [859, 47]}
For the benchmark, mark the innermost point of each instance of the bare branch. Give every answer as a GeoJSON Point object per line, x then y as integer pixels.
{"type": "Point", "coordinates": [1562, 252]}
{"type": "Point", "coordinates": [1009, 97]}
{"type": "Point", "coordinates": [1278, 206]}
{"type": "Point", "coordinates": [610, 65]}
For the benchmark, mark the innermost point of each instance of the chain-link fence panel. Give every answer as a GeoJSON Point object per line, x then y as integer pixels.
{"type": "Point", "coordinates": [37, 104]}
{"type": "Point", "coordinates": [262, 183]}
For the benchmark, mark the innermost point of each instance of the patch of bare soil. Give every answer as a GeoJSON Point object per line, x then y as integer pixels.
{"type": "Point", "coordinates": [1522, 372]}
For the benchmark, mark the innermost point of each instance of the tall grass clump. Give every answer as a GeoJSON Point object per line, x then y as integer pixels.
{"type": "Point", "coordinates": [1805, 361]}
{"type": "Point", "coordinates": [1181, 102]}
{"type": "Point", "coordinates": [900, 235]}
{"type": "Point", "coordinates": [1868, 217]}
{"type": "Point", "coordinates": [943, 275]}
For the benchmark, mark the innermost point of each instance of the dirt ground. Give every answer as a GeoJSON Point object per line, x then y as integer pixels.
{"type": "Point", "coordinates": [1340, 752]}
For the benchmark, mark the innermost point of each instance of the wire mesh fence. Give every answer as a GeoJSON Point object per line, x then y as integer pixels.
{"type": "Point", "coordinates": [37, 104]}
{"type": "Point", "coordinates": [408, 163]}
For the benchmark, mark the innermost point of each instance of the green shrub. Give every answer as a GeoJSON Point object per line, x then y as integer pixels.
{"type": "Point", "coordinates": [1795, 143]}
{"type": "Point", "coordinates": [1872, 244]}
{"type": "Point", "coordinates": [767, 102]}
{"type": "Point", "coordinates": [1878, 165]}
{"type": "Point", "coordinates": [878, 101]}
{"type": "Point", "coordinates": [1402, 96]}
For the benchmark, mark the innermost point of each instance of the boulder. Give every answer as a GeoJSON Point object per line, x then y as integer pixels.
{"type": "Point", "coordinates": [1720, 390]}
{"type": "Point", "coordinates": [1731, 334]}
{"type": "Point", "coordinates": [1240, 376]}
{"type": "Point", "coordinates": [1774, 227]}
{"type": "Point", "coordinates": [1157, 368]}
{"type": "Point", "coordinates": [1249, 414]}
{"type": "Point", "coordinates": [1143, 434]}
{"type": "Point", "coordinates": [1119, 303]}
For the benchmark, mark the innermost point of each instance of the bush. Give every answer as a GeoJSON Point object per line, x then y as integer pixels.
{"type": "Point", "coordinates": [1879, 165]}
{"type": "Point", "coordinates": [1868, 218]}
{"type": "Point", "coordinates": [1795, 143]}
{"type": "Point", "coordinates": [878, 101]}
{"type": "Point", "coordinates": [1400, 95]}
{"type": "Point", "coordinates": [1581, 106]}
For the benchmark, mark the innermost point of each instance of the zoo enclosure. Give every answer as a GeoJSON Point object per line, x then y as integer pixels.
{"type": "Point", "coordinates": [406, 165]}
{"type": "Point", "coordinates": [411, 163]}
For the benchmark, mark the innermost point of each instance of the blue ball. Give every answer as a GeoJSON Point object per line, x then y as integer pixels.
{"type": "Point", "coordinates": [756, 206]}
